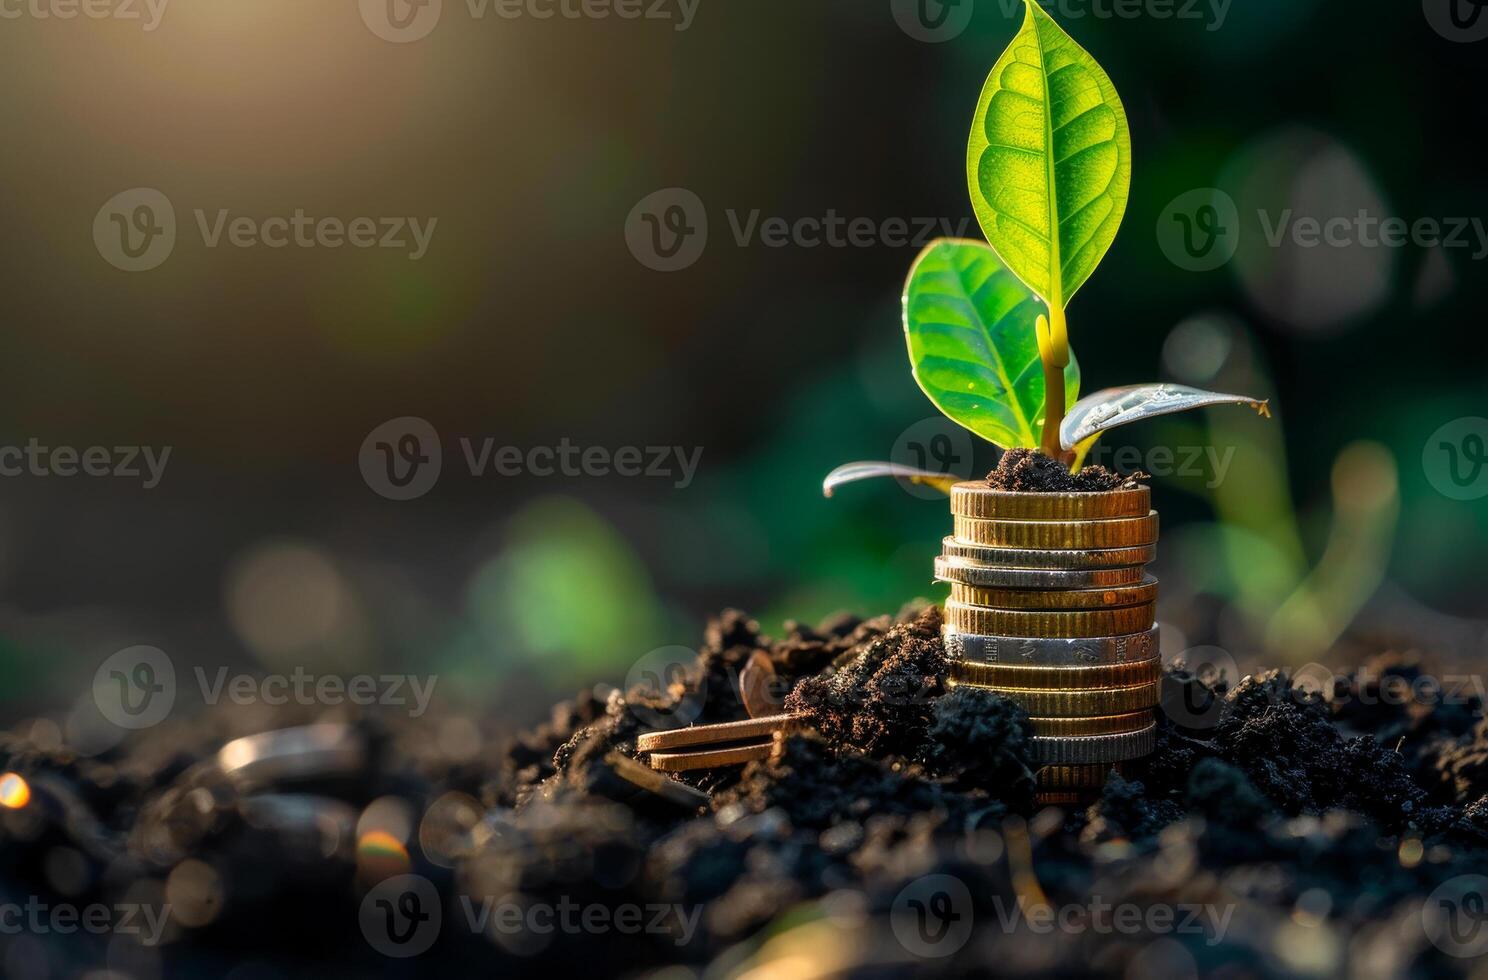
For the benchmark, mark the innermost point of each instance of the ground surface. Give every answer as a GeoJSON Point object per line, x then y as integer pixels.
{"type": "Point", "coordinates": [1278, 835]}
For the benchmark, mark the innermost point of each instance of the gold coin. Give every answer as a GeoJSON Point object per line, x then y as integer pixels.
{"type": "Point", "coordinates": [711, 758]}
{"type": "Point", "coordinates": [964, 618]}
{"type": "Point", "coordinates": [758, 688]}
{"type": "Point", "coordinates": [1058, 678]}
{"type": "Point", "coordinates": [1121, 532]}
{"type": "Point", "coordinates": [1067, 778]}
{"type": "Point", "coordinates": [1100, 725]}
{"type": "Point", "coordinates": [1063, 798]}
{"type": "Point", "coordinates": [720, 734]}
{"type": "Point", "coordinates": [1093, 749]}
{"type": "Point", "coordinates": [980, 500]}
{"type": "Point", "coordinates": [1076, 704]}
{"type": "Point", "coordinates": [1102, 598]}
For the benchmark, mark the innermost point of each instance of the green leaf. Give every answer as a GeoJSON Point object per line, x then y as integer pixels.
{"type": "Point", "coordinates": [1049, 161]}
{"type": "Point", "coordinates": [970, 327]}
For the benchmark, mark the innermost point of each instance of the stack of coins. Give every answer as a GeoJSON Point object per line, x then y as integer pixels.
{"type": "Point", "coordinates": [1051, 606]}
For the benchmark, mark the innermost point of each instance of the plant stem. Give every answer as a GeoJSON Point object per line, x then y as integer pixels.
{"type": "Point", "coordinates": [1053, 408]}
{"type": "Point", "coordinates": [1053, 344]}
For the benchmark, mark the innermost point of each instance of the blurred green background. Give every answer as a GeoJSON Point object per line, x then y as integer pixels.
{"type": "Point", "coordinates": [529, 320]}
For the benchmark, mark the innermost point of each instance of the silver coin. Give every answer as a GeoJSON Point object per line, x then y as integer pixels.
{"type": "Point", "coordinates": [320, 751]}
{"type": "Point", "coordinates": [968, 572]}
{"type": "Point", "coordinates": [1088, 749]}
{"type": "Point", "coordinates": [1048, 652]}
{"type": "Point", "coordinates": [1065, 560]}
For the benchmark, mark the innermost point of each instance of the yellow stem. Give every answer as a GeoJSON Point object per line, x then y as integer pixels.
{"type": "Point", "coordinates": [1053, 341]}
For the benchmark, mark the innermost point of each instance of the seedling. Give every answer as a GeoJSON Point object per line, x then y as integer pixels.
{"type": "Point", "coordinates": [1049, 170]}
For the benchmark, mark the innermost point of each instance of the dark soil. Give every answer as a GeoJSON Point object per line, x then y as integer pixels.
{"type": "Point", "coordinates": [1321, 825]}
{"type": "Point", "coordinates": [1028, 470]}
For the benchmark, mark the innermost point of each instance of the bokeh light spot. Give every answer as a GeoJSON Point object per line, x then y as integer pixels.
{"type": "Point", "coordinates": [15, 792]}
